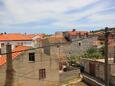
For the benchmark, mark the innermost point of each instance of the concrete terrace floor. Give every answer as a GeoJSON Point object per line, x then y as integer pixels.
{"type": "Point", "coordinates": [76, 84]}
{"type": "Point", "coordinates": [81, 84]}
{"type": "Point", "coordinates": [72, 78]}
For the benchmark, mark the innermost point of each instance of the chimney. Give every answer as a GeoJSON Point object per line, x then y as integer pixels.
{"type": "Point", "coordinates": [74, 30]}
{"type": "Point", "coordinates": [5, 33]}
{"type": "Point", "coordinates": [1, 33]}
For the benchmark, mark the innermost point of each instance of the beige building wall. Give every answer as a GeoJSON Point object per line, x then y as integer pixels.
{"type": "Point", "coordinates": [27, 73]}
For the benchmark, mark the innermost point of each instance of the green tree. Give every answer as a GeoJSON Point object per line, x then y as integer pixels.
{"type": "Point", "coordinates": [72, 60]}
{"type": "Point", "coordinates": [92, 53]}
{"type": "Point", "coordinates": [102, 50]}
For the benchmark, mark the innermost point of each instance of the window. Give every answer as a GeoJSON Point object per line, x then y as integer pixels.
{"type": "Point", "coordinates": [101, 43]}
{"type": "Point", "coordinates": [42, 74]}
{"type": "Point", "coordinates": [2, 44]}
{"type": "Point", "coordinates": [79, 43]}
{"type": "Point", "coordinates": [18, 43]}
{"type": "Point", "coordinates": [32, 56]}
{"type": "Point", "coordinates": [22, 43]}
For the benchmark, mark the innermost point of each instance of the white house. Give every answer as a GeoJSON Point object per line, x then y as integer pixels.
{"type": "Point", "coordinates": [17, 39]}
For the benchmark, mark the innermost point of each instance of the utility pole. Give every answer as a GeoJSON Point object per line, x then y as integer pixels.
{"type": "Point", "coordinates": [114, 48]}
{"type": "Point", "coordinates": [106, 58]}
{"type": "Point", "coordinates": [9, 66]}
{"type": "Point", "coordinates": [114, 55]}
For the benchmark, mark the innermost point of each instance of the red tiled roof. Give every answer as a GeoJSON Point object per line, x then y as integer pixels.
{"type": "Point", "coordinates": [2, 59]}
{"type": "Point", "coordinates": [72, 33]}
{"type": "Point", "coordinates": [14, 55]}
{"type": "Point", "coordinates": [75, 33]}
{"type": "Point", "coordinates": [19, 37]}
{"type": "Point", "coordinates": [14, 37]}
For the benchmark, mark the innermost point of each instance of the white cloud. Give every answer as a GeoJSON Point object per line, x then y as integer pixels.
{"type": "Point", "coordinates": [24, 11]}
{"type": "Point", "coordinates": [102, 18]}
{"type": "Point", "coordinates": [92, 14]}
{"type": "Point", "coordinates": [30, 10]}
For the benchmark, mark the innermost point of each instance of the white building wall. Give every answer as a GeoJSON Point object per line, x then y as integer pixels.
{"type": "Point", "coordinates": [14, 44]}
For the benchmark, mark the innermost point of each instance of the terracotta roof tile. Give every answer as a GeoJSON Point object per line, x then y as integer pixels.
{"type": "Point", "coordinates": [14, 55]}
{"type": "Point", "coordinates": [2, 59]}
{"type": "Point", "coordinates": [14, 37]}
{"type": "Point", "coordinates": [75, 33]}
{"type": "Point", "coordinates": [72, 33]}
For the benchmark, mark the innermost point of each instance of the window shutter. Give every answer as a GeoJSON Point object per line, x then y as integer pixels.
{"type": "Point", "coordinates": [42, 74]}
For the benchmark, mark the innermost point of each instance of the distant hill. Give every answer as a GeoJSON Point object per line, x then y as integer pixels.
{"type": "Point", "coordinates": [102, 30]}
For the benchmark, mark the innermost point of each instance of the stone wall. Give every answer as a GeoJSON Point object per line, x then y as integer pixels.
{"type": "Point", "coordinates": [99, 70]}
{"type": "Point", "coordinates": [74, 49]}
{"type": "Point", "coordinates": [27, 73]}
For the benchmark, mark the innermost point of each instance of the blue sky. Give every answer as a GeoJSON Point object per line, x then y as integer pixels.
{"type": "Point", "coordinates": [48, 16]}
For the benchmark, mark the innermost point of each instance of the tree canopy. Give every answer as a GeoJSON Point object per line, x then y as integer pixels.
{"type": "Point", "coordinates": [93, 53]}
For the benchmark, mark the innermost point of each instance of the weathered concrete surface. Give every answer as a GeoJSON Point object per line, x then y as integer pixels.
{"type": "Point", "coordinates": [27, 72]}
{"type": "Point", "coordinates": [92, 81]}
{"type": "Point", "coordinates": [73, 49]}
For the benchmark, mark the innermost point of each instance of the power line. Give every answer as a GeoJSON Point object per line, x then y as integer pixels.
{"type": "Point", "coordinates": [51, 44]}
